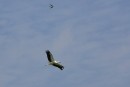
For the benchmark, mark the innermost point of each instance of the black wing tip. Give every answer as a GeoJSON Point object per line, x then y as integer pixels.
{"type": "Point", "coordinates": [62, 68]}
{"type": "Point", "coordinates": [47, 51]}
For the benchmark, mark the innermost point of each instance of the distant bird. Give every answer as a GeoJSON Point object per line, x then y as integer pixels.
{"type": "Point", "coordinates": [51, 6]}
{"type": "Point", "coordinates": [52, 61]}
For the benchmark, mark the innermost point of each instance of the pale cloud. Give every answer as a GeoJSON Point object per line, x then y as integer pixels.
{"type": "Point", "coordinates": [63, 40]}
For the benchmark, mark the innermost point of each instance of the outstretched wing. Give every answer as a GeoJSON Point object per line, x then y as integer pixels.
{"type": "Point", "coordinates": [58, 65]}
{"type": "Point", "coordinates": [49, 56]}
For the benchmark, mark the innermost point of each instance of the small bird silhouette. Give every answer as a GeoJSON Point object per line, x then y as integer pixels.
{"type": "Point", "coordinates": [51, 6]}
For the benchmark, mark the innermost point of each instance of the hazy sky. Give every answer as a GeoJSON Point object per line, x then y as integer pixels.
{"type": "Point", "coordinates": [91, 38]}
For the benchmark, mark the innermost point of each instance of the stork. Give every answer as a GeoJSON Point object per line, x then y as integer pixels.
{"type": "Point", "coordinates": [52, 61]}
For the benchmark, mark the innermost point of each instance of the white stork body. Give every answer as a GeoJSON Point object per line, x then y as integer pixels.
{"type": "Point", "coordinates": [52, 61]}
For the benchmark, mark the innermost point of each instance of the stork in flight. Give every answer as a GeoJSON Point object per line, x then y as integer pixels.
{"type": "Point", "coordinates": [52, 61]}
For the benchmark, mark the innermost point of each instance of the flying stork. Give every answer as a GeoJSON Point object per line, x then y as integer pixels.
{"type": "Point", "coordinates": [52, 61]}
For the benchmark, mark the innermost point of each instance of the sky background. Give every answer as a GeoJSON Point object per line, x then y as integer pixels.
{"type": "Point", "coordinates": [91, 38]}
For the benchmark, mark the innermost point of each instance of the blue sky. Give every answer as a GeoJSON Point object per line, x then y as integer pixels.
{"type": "Point", "coordinates": [90, 37]}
